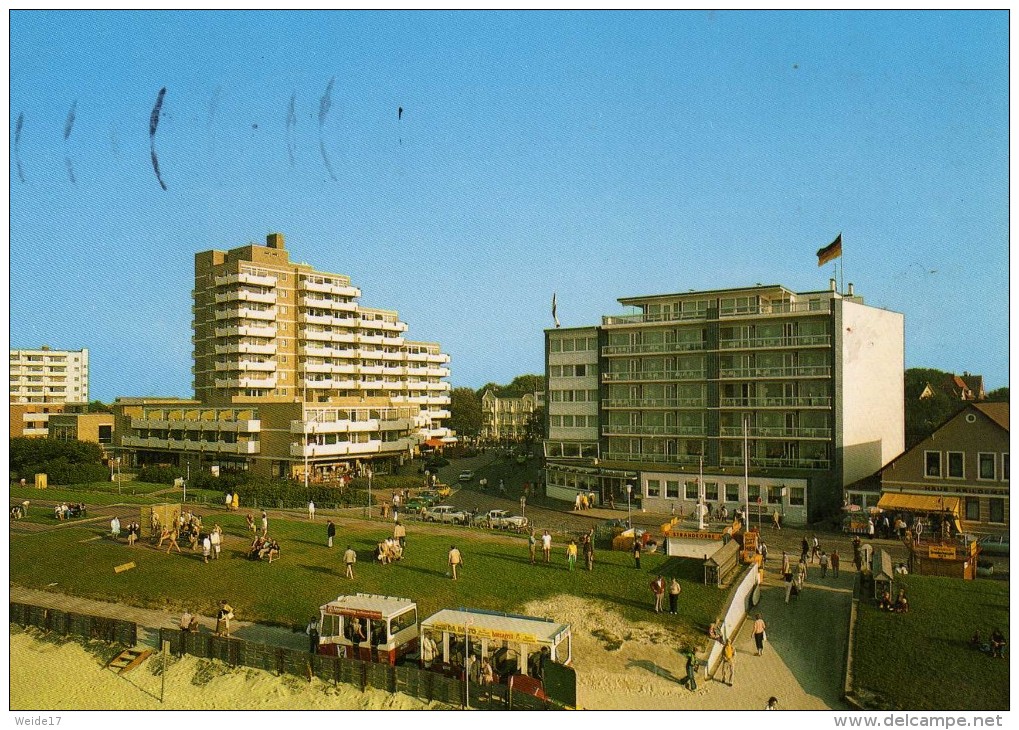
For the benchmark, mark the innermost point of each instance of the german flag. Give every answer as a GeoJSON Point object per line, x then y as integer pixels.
{"type": "Point", "coordinates": [832, 251]}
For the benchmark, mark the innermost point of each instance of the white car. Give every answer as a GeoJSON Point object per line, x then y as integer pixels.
{"type": "Point", "coordinates": [500, 518]}
{"type": "Point", "coordinates": [445, 513]}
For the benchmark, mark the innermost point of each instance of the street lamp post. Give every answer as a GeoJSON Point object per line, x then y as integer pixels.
{"type": "Point", "coordinates": [369, 492]}
{"type": "Point", "coordinates": [120, 482]}
{"type": "Point", "coordinates": [629, 490]}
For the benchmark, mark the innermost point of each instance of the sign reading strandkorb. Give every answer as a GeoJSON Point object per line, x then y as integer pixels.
{"type": "Point", "coordinates": [941, 552]}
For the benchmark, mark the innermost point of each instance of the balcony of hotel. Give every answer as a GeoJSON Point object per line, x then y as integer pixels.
{"type": "Point", "coordinates": [246, 278]}
{"type": "Point", "coordinates": [774, 461]}
{"type": "Point", "coordinates": [435, 372]}
{"type": "Point", "coordinates": [267, 366]}
{"type": "Point", "coordinates": [370, 369]}
{"type": "Point", "coordinates": [345, 448]}
{"type": "Point", "coordinates": [771, 343]}
{"type": "Point", "coordinates": [417, 356]}
{"type": "Point", "coordinates": [311, 350]}
{"type": "Point", "coordinates": [780, 432]}
{"type": "Point", "coordinates": [337, 423]}
{"type": "Point", "coordinates": [394, 385]}
{"type": "Point", "coordinates": [247, 331]}
{"type": "Point", "coordinates": [652, 458]}
{"type": "Point", "coordinates": [438, 357]}
{"type": "Point", "coordinates": [310, 300]}
{"type": "Point", "coordinates": [339, 286]}
{"type": "Point", "coordinates": [364, 339]}
{"type": "Point", "coordinates": [392, 341]}
{"type": "Point", "coordinates": [437, 386]}
{"type": "Point", "coordinates": [330, 384]}
{"type": "Point", "coordinates": [196, 447]}
{"type": "Point", "coordinates": [612, 430]}
{"type": "Point", "coordinates": [760, 403]}
{"type": "Point", "coordinates": [393, 355]}
{"type": "Point", "coordinates": [656, 348]}
{"type": "Point", "coordinates": [268, 315]}
{"type": "Point", "coordinates": [371, 384]}
{"type": "Point", "coordinates": [630, 403]}
{"type": "Point", "coordinates": [246, 295]}
{"type": "Point", "coordinates": [246, 348]}
{"type": "Point", "coordinates": [664, 375]}
{"type": "Point", "coordinates": [269, 383]}
{"type": "Point", "coordinates": [801, 371]}
{"type": "Point", "coordinates": [345, 337]}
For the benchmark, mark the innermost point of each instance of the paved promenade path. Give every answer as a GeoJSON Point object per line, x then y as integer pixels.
{"type": "Point", "coordinates": [804, 657]}
{"type": "Point", "coordinates": [150, 621]}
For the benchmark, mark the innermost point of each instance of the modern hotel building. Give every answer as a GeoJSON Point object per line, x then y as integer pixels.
{"type": "Point", "coordinates": [756, 395]}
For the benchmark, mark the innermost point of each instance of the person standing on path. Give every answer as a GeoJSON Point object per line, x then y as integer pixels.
{"type": "Point", "coordinates": [801, 574]}
{"type": "Point", "coordinates": [760, 634]}
{"type": "Point", "coordinates": [349, 558]}
{"type": "Point", "coordinates": [223, 617]}
{"type": "Point", "coordinates": [776, 520]}
{"type": "Point", "coordinates": [636, 553]}
{"type": "Point", "coordinates": [824, 564]}
{"type": "Point", "coordinates": [787, 578]}
{"type": "Point", "coordinates": [546, 545]}
{"type": "Point", "coordinates": [857, 553]}
{"type": "Point", "coordinates": [455, 560]}
{"type": "Point", "coordinates": [265, 523]}
{"type": "Point", "coordinates": [206, 548]}
{"type": "Point", "coordinates": [312, 632]}
{"type": "Point", "coordinates": [804, 549]}
{"type": "Point", "coordinates": [658, 589]}
{"type": "Point", "coordinates": [115, 527]}
{"type": "Point", "coordinates": [571, 556]}
{"type": "Point", "coordinates": [674, 589]}
{"type": "Point", "coordinates": [691, 670]}
{"type": "Point", "coordinates": [330, 533]}
{"type": "Point", "coordinates": [834, 563]}
{"type": "Point", "coordinates": [815, 548]}
{"type": "Point", "coordinates": [589, 552]}
{"type": "Point", "coordinates": [785, 562]}
{"type": "Point", "coordinates": [311, 511]}
{"type": "Point", "coordinates": [728, 662]}
{"type": "Point", "coordinates": [532, 545]}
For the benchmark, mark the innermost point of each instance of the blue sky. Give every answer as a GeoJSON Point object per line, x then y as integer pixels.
{"type": "Point", "coordinates": [597, 155]}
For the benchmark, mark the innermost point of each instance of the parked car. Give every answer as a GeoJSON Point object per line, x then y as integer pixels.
{"type": "Point", "coordinates": [443, 490]}
{"type": "Point", "coordinates": [994, 545]}
{"type": "Point", "coordinates": [422, 499]}
{"type": "Point", "coordinates": [466, 475]}
{"type": "Point", "coordinates": [445, 513]}
{"type": "Point", "coordinates": [436, 462]}
{"type": "Point", "coordinates": [500, 519]}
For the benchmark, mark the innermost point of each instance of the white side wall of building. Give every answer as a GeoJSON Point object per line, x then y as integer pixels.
{"type": "Point", "coordinates": [870, 354]}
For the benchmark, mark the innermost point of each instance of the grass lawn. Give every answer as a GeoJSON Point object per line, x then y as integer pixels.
{"type": "Point", "coordinates": [496, 573]}
{"type": "Point", "coordinates": [921, 660]}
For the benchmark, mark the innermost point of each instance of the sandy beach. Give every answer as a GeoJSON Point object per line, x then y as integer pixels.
{"type": "Point", "coordinates": [620, 665]}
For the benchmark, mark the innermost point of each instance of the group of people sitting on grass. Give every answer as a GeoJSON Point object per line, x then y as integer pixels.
{"type": "Point", "coordinates": [264, 547]}
{"type": "Point", "coordinates": [389, 551]}
{"type": "Point", "coordinates": [900, 605]}
{"type": "Point", "coordinates": [995, 646]}
{"type": "Point", "coordinates": [65, 511]}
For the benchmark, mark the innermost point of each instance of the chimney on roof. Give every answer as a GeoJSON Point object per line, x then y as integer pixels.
{"type": "Point", "coordinates": [850, 288]}
{"type": "Point", "coordinates": [274, 240]}
{"type": "Point", "coordinates": [831, 283]}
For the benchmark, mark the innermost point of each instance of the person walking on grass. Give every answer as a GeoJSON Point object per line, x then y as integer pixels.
{"type": "Point", "coordinates": [455, 560]}
{"type": "Point", "coordinates": [824, 564]}
{"type": "Point", "coordinates": [636, 553]}
{"type": "Point", "coordinates": [546, 545]}
{"type": "Point", "coordinates": [311, 511]}
{"type": "Point", "coordinates": [589, 552]}
{"type": "Point", "coordinates": [532, 545]}
{"type": "Point", "coordinates": [265, 523]}
{"type": "Point", "coordinates": [571, 555]}
{"type": "Point", "coordinates": [834, 563]}
{"type": "Point", "coordinates": [330, 533]}
{"type": "Point", "coordinates": [349, 558]}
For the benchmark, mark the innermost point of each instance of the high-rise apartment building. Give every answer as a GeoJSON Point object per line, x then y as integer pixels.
{"type": "Point", "coordinates": [41, 382]}
{"type": "Point", "coordinates": [291, 370]}
{"type": "Point", "coordinates": [756, 395]}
